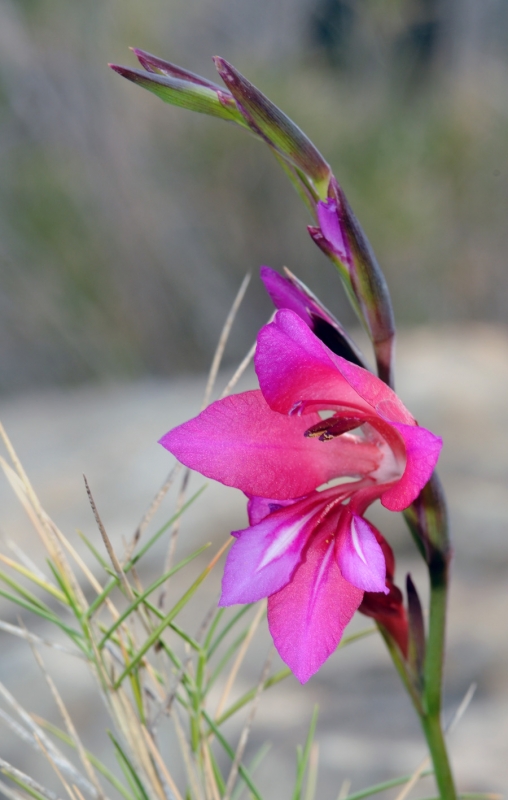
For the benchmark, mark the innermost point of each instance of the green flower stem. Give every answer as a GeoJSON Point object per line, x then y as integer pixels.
{"type": "Point", "coordinates": [433, 677]}
{"type": "Point", "coordinates": [401, 667]}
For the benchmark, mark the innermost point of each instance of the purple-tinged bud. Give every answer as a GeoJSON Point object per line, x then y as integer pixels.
{"type": "Point", "coordinates": [275, 127]}
{"type": "Point", "coordinates": [193, 94]}
{"type": "Point", "coordinates": [158, 65]}
{"type": "Point", "coordinates": [416, 648]}
{"type": "Point", "coordinates": [290, 292]}
{"type": "Point", "coordinates": [341, 237]}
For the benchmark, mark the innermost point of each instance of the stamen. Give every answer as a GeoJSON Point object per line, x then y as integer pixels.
{"type": "Point", "coordinates": [330, 428]}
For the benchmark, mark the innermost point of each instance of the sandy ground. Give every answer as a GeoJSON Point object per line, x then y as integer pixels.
{"type": "Point", "coordinates": [455, 381]}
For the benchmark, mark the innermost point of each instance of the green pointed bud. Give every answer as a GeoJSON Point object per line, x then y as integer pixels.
{"type": "Point", "coordinates": [277, 129]}
{"type": "Point", "coordinates": [185, 93]}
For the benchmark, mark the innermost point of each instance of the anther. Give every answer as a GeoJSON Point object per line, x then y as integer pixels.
{"type": "Point", "coordinates": [330, 428]}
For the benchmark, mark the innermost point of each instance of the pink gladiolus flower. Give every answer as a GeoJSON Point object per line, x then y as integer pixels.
{"type": "Point", "coordinates": [309, 550]}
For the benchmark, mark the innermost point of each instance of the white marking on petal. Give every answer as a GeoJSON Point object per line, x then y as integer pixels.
{"type": "Point", "coordinates": [328, 556]}
{"type": "Point", "coordinates": [283, 540]}
{"type": "Point", "coordinates": [356, 541]}
{"type": "Point", "coordinates": [391, 467]}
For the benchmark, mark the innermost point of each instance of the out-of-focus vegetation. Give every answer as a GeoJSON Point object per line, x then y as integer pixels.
{"type": "Point", "coordinates": [126, 225]}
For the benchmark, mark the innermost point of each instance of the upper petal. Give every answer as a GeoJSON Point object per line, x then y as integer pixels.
{"type": "Point", "coordinates": [381, 399]}
{"type": "Point", "coordinates": [284, 294]}
{"type": "Point", "coordinates": [241, 442]}
{"type": "Point", "coordinates": [308, 616]}
{"type": "Point", "coordinates": [293, 367]}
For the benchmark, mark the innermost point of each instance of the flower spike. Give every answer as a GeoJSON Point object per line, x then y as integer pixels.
{"type": "Point", "coordinates": [275, 127]}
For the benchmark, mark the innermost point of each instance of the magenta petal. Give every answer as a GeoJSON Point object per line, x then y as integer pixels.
{"type": "Point", "coordinates": [240, 442]}
{"type": "Point", "coordinates": [360, 557]}
{"type": "Point", "coordinates": [422, 453]}
{"type": "Point", "coordinates": [293, 366]}
{"type": "Point", "coordinates": [307, 618]}
{"type": "Point", "coordinates": [264, 557]}
{"type": "Point", "coordinates": [284, 294]}
{"type": "Point", "coordinates": [374, 391]}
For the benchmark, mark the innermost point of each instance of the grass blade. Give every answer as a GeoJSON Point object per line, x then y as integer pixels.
{"type": "Point", "coordinates": [99, 766]}
{"type": "Point", "coordinates": [248, 696]}
{"type": "Point", "coordinates": [32, 576]}
{"type": "Point", "coordinates": [30, 786]}
{"type": "Point", "coordinates": [25, 593]}
{"type": "Point", "coordinates": [134, 560]}
{"type": "Point", "coordinates": [129, 771]}
{"type": "Point", "coordinates": [244, 772]}
{"type": "Point", "coordinates": [156, 634]}
{"type": "Point", "coordinates": [381, 787]}
{"type": "Point", "coordinates": [102, 561]}
{"type": "Point", "coordinates": [142, 597]}
{"type": "Point", "coordinates": [75, 635]}
{"type": "Point", "coordinates": [211, 648]}
{"type": "Point", "coordinates": [252, 767]}
{"type": "Point", "coordinates": [303, 760]}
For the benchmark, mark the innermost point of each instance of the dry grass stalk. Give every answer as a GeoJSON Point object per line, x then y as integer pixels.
{"type": "Point", "coordinates": [160, 764]}
{"type": "Point", "coordinates": [244, 736]}
{"type": "Point", "coordinates": [173, 536]}
{"type": "Point", "coordinates": [43, 524]}
{"type": "Point", "coordinates": [239, 372]}
{"type": "Point", "coordinates": [107, 543]}
{"type": "Point", "coordinates": [310, 791]}
{"type": "Point", "coordinates": [151, 511]}
{"type": "Point", "coordinates": [132, 732]}
{"type": "Point", "coordinates": [54, 765]}
{"type": "Point", "coordinates": [16, 774]}
{"type": "Point", "coordinates": [223, 339]}
{"type": "Point", "coordinates": [42, 742]}
{"type": "Point", "coordinates": [22, 633]}
{"type": "Point", "coordinates": [239, 659]}
{"type": "Point", "coordinates": [23, 558]}
{"type": "Point", "coordinates": [242, 366]}
{"type": "Point", "coordinates": [13, 794]}
{"type": "Point", "coordinates": [187, 756]}
{"type": "Point", "coordinates": [69, 725]}
{"type": "Point", "coordinates": [211, 788]}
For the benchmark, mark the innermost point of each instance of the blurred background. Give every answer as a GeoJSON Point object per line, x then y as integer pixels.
{"type": "Point", "coordinates": [126, 227]}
